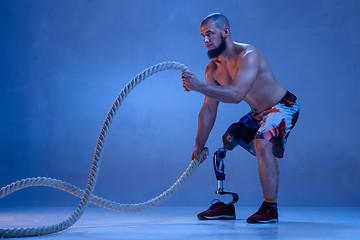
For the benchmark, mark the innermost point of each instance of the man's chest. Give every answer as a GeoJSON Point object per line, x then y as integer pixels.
{"type": "Point", "coordinates": [226, 73]}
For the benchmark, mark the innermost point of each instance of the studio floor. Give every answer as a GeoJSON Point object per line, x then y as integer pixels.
{"type": "Point", "coordinates": [181, 223]}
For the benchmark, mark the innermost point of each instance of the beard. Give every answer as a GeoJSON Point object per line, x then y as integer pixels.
{"type": "Point", "coordinates": [217, 51]}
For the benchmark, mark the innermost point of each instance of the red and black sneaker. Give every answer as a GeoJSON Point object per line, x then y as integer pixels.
{"type": "Point", "coordinates": [218, 210]}
{"type": "Point", "coordinates": [265, 214]}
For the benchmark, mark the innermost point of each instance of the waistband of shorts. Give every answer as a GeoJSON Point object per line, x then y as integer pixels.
{"type": "Point", "coordinates": [288, 97]}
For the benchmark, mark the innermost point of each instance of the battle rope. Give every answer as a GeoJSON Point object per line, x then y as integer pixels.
{"type": "Point", "coordinates": [87, 194]}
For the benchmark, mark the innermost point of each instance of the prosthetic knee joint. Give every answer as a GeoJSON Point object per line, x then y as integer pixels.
{"type": "Point", "coordinates": [219, 167]}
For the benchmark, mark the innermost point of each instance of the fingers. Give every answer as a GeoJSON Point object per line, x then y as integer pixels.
{"type": "Point", "coordinates": [186, 89]}
{"type": "Point", "coordinates": [187, 75]}
{"type": "Point", "coordinates": [203, 159]}
{"type": "Point", "coordinates": [186, 79]}
{"type": "Point", "coordinates": [195, 156]}
{"type": "Point", "coordinates": [185, 83]}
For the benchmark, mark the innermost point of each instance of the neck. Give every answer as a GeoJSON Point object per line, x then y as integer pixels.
{"type": "Point", "coordinates": [229, 51]}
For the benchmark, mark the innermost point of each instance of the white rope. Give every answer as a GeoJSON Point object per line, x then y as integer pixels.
{"type": "Point", "coordinates": [87, 194]}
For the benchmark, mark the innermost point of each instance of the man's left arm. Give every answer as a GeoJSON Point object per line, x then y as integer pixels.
{"type": "Point", "coordinates": [239, 87]}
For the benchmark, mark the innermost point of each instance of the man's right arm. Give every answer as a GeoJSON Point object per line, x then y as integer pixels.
{"type": "Point", "coordinates": [207, 117]}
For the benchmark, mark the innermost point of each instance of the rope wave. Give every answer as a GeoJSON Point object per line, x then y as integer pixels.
{"type": "Point", "coordinates": [86, 195]}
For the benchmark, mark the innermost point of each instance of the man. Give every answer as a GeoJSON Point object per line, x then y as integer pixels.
{"type": "Point", "coordinates": [239, 72]}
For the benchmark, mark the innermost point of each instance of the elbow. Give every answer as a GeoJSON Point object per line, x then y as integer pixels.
{"type": "Point", "coordinates": [236, 98]}
{"type": "Point", "coordinates": [237, 101]}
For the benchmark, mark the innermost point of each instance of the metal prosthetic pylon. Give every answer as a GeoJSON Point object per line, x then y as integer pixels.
{"type": "Point", "coordinates": [219, 168]}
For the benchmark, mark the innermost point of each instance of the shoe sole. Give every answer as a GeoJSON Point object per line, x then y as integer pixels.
{"type": "Point", "coordinates": [267, 221]}
{"type": "Point", "coordinates": [222, 217]}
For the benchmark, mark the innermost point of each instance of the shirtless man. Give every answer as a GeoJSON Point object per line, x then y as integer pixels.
{"type": "Point", "coordinates": [239, 72]}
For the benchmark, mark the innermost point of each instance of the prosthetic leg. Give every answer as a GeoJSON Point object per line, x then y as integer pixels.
{"type": "Point", "coordinates": [218, 209]}
{"type": "Point", "coordinates": [219, 167]}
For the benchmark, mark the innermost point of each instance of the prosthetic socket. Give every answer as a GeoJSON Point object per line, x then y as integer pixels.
{"type": "Point", "coordinates": [219, 168]}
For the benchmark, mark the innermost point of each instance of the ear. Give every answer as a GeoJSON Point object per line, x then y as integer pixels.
{"type": "Point", "coordinates": [226, 32]}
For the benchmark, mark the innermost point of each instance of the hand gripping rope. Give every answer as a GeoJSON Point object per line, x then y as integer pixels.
{"type": "Point", "coordinates": [87, 194]}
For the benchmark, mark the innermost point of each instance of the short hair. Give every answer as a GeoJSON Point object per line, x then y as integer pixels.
{"type": "Point", "coordinates": [219, 19]}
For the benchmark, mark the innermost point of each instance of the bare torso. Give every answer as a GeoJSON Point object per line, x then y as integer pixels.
{"type": "Point", "coordinates": [265, 91]}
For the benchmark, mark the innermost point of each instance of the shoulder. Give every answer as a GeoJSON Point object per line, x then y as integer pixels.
{"type": "Point", "coordinates": [247, 51]}
{"type": "Point", "coordinates": [211, 67]}
{"type": "Point", "coordinates": [248, 55]}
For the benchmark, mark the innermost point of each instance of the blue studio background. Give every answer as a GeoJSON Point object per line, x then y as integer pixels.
{"type": "Point", "coordinates": [63, 63]}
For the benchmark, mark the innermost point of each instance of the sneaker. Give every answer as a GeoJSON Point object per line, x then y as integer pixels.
{"type": "Point", "coordinates": [265, 214]}
{"type": "Point", "coordinates": [218, 210]}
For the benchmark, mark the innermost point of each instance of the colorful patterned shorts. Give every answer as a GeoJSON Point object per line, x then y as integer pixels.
{"type": "Point", "coordinates": [274, 125]}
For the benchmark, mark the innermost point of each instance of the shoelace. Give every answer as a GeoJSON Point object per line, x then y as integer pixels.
{"type": "Point", "coordinates": [215, 204]}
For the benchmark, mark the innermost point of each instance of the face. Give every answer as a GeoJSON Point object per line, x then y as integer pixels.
{"type": "Point", "coordinates": [215, 52]}
{"type": "Point", "coordinates": [213, 39]}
